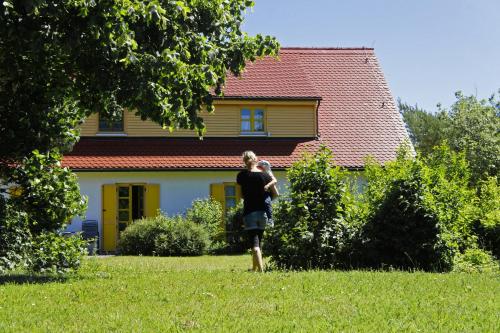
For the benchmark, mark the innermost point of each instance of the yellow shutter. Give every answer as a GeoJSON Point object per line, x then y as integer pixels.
{"type": "Point", "coordinates": [217, 193]}
{"type": "Point", "coordinates": [109, 225]}
{"type": "Point", "coordinates": [152, 200]}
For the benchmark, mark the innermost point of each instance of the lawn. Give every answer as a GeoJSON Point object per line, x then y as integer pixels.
{"type": "Point", "coordinates": [148, 294]}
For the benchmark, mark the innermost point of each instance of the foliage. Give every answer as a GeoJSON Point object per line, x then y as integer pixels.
{"type": "Point", "coordinates": [139, 237]}
{"type": "Point", "coordinates": [211, 293]}
{"type": "Point", "coordinates": [61, 61]}
{"type": "Point", "coordinates": [475, 129]}
{"type": "Point", "coordinates": [310, 231]}
{"type": "Point", "coordinates": [50, 194]}
{"type": "Point", "coordinates": [487, 226]}
{"type": "Point", "coordinates": [182, 238]}
{"type": "Point", "coordinates": [163, 236]}
{"type": "Point", "coordinates": [469, 125]}
{"type": "Point", "coordinates": [53, 253]}
{"type": "Point", "coordinates": [235, 241]}
{"type": "Point", "coordinates": [475, 260]}
{"type": "Point", "coordinates": [44, 199]}
{"type": "Point", "coordinates": [426, 129]}
{"type": "Point", "coordinates": [14, 237]}
{"type": "Point", "coordinates": [419, 212]}
{"type": "Point", "coordinates": [209, 214]}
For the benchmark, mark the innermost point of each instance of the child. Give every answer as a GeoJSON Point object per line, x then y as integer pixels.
{"type": "Point", "coordinates": [270, 188]}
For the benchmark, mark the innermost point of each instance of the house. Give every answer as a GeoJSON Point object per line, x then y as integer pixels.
{"type": "Point", "coordinates": [279, 108]}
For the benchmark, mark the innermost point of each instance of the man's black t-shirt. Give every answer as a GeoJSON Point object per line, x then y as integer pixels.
{"type": "Point", "coordinates": [252, 187]}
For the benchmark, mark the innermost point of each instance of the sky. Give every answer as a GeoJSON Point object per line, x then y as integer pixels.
{"type": "Point", "coordinates": [428, 49]}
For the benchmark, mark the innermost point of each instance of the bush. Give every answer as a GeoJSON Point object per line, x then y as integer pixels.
{"type": "Point", "coordinates": [183, 238]}
{"type": "Point", "coordinates": [52, 253]}
{"type": "Point", "coordinates": [475, 260]}
{"type": "Point", "coordinates": [487, 226]}
{"type": "Point", "coordinates": [14, 237]}
{"type": "Point", "coordinates": [235, 238]}
{"type": "Point", "coordinates": [310, 230]}
{"type": "Point", "coordinates": [164, 236]}
{"type": "Point", "coordinates": [209, 214]}
{"type": "Point", "coordinates": [139, 237]}
{"type": "Point", "coordinates": [419, 212]}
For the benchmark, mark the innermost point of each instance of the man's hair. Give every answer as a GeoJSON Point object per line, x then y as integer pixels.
{"type": "Point", "coordinates": [249, 156]}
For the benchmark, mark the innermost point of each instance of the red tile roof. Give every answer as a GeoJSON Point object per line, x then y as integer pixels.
{"type": "Point", "coordinates": [168, 153]}
{"type": "Point", "coordinates": [357, 117]}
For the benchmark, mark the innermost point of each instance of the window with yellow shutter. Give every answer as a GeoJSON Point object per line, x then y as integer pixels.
{"type": "Point", "coordinates": [228, 194]}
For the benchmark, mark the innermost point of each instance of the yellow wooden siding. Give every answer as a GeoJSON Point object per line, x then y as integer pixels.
{"type": "Point", "coordinates": [91, 126]}
{"type": "Point", "coordinates": [224, 122]}
{"type": "Point", "coordinates": [152, 200]}
{"type": "Point", "coordinates": [109, 224]}
{"type": "Point", "coordinates": [283, 119]}
{"type": "Point", "coordinates": [291, 121]}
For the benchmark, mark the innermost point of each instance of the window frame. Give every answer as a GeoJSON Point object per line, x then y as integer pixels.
{"type": "Point", "coordinates": [235, 196]}
{"type": "Point", "coordinates": [111, 130]}
{"type": "Point", "coordinates": [252, 131]}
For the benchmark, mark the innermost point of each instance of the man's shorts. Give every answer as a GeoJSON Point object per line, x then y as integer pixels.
{"type": "Point", "coordinates": [255, 220]}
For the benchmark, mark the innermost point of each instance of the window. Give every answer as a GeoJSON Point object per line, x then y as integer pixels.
{"type": "Point", "coordinates": [107, 124]}
{"type": "Point", "coordinates": [228, 194]}
{"type": "Point", "coordinates": [252, 121]}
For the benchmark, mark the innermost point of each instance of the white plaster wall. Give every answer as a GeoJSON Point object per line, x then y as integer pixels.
{"type": "Point", "coordinates": [177, 188]}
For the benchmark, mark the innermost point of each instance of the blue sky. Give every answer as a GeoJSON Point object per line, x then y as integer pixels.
{"type": "Point", "coordinates": [428, 49]}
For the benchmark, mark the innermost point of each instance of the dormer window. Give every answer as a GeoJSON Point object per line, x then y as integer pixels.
{"type": "Point", "coordinates": [252, 121]}
{"type": "Point", "coordinates": [108, 124]}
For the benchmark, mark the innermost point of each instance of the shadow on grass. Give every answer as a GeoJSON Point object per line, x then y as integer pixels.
{"type": "Point", "coordinates": [30, 279]}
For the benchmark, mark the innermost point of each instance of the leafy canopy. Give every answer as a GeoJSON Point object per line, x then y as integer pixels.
{"type": "Point", "coordinates": [63, 60]}
{"type": "Point", "coordinates": [470, 125]}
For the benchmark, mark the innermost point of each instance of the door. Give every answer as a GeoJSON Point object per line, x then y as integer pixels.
{"type": "Point", "coordinates": [109, 226]}
{"type": "Point", "coordinates": [124, 203]}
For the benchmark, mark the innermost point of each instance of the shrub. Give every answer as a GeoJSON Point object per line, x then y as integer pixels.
{"type": "Point", "coordinates": [164, 236]}
{"type": "Point", "coordinates": [139, 237]}
{"type": "Point", "coordinates": [52, 253]}
{"type": "Point", "coordinates": [310, 230]}
{"type": "Point", "coordinates": [14, 237]}
{"type": "Point", "coordinates": [487, 226]}
{"type": "Point", "coordinates": [475, 260]}
{"type": "Point", "coordinates": [182, 238]}
{"type": "Point", "coordinates": [235, 240]}
{"type": "Point", "coordinates": [209, 214]}
{"type": "Point", "coordinates": [419, 212]}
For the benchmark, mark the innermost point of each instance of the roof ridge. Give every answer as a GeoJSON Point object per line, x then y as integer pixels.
{"type": "Point", "coordinates": [326, 48]}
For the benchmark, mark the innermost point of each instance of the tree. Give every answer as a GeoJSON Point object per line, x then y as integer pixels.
{"type": "Point", "coordinates": [426, 130]}
{"type": "Point", "coordinates": [475, 129]}
{"type": "Point", "coordinates": [469, 125]}
{"type": "Point", "coordinates": [61, 61]}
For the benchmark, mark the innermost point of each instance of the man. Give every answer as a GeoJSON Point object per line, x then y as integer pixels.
{"type": "Point", "coordinates": [253, 181]}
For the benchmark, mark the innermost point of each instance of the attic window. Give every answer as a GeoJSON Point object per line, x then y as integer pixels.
{"type": "Point", "coordinates": [108, 124]}
{"type": "Point", "coordinates": [252, 121]}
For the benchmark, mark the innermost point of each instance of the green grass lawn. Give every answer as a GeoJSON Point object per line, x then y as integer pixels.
{"type": "Point", "coordinates": [144, 294]}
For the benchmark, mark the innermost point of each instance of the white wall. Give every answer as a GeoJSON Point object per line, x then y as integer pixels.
{"type": "Point", "coordinates": [177, 188]}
